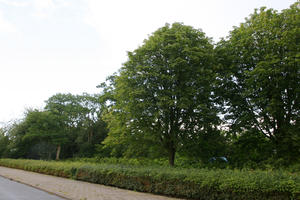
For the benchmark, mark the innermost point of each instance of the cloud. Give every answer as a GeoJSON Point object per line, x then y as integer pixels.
{"type": "Point", "coordinates": [14, 3]}
{"type": "Point", "coordinates": [43, 4]}
{"type": "Point", "coordinates": [6, 26]}
{"type": "Point", "coordinates": [123, 25]}
{"type": "Point", "coordinates": [45, 8]}
{"type": "Point", "coordinates": [41, 8]}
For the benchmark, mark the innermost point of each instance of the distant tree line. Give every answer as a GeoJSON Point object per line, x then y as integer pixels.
{"type": "Point", "coordinates": [181, 94]}
{"type": "Point", "coordinates": [68, 126]}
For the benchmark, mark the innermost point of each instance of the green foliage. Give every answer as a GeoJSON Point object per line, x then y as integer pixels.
{"type": "Point", "coordinates": [250, 149]}
{"type": "Point", "coordinates": [259, 78]}
{"type": "Point", "coordinates": [163, 93]}
{"type": "Point", "coordinates": [37, 135]}
{"type": "Point", "coordinates": [69, 125]}
{"type": "Point", "coordinates": [204, 146]}
{"type": "Point", "coordinates": [81, 122]}
{"type": "Point", "coordinates": [15, 132]}
{"type": "Point", "coordinates": [169, 97]}
{"type": "Point", "coordinates": [178, 182]}
{"type": "Point", "coordinates": [4, 142]}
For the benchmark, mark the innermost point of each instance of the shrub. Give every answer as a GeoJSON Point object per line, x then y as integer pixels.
{"type": "Point", "coordinates": [191, 183]}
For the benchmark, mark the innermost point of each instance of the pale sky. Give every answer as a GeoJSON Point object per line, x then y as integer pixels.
{"type": "Point", "coordinates": [62, 46]}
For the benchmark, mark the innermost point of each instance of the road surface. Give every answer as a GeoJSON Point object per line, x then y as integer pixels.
{"type": "Point", "coordinates": [10, 190]}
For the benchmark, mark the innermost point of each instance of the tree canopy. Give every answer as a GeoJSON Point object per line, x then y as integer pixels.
{"type": "Point", "coordinates": [181, 94]}
{"type": "Point", "coordinates": [260, 77]}
{"type": "Point", "coordinates": [70, 125]}
{"type": "Point", "coordinates": [164, 91]}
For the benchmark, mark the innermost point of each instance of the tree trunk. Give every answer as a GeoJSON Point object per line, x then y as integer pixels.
{"type": "Point", "coordinates": [58, 152]}
{"type": "Point", "coordinates": [172, 156]}
{"type": "Point", "coordinates": [49, 155]}
{"type": "Point", "coordinates": [90, 136]}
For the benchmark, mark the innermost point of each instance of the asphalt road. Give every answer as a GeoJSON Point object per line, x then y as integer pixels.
{"type": "Point", "coordinates": [10, 190]}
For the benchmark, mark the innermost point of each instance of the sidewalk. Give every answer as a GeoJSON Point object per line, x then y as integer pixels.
{"type": "Point", "coordinates": [75, 190]}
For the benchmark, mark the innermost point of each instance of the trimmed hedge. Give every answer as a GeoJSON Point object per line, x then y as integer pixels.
{"type": "Point", "coordinates": [184, 183]}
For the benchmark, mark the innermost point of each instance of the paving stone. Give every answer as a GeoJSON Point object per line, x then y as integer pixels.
{"type": "Point", "coordinates": [73, 189]}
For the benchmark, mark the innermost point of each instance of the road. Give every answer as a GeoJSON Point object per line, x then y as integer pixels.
{"type": "Point", "coordinates": [10, 190]}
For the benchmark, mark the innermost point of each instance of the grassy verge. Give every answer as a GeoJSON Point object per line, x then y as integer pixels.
{"type": "Point", "coordinates": [185, 183]}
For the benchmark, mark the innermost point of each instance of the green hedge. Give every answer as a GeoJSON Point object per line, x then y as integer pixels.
{"type": "Point", "coordinates": [184, 183]}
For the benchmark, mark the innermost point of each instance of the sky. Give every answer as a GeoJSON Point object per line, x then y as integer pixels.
{"type": "Point", "coordinates": [71, 46]}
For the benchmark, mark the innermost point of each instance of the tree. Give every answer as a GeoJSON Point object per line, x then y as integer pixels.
{"type": "Point", "coordinates": [70, 125]}
{"type": "Point", "coordinates": [259, 77]}
{"type": "Point", "coordinates": [80, 117]}
{"type": "Point", "coordinates": [249, 149]}
{"type": "Point", "coordinates": [35, 136]}
{"type": "Point", "coordinates": [4, 142]}
{"type": "Point", "coordinates": [15, 132]}
{"type": "Point", "coordinates": [44, 133]}
{"type": "Point", "coordinates": [163, 93]}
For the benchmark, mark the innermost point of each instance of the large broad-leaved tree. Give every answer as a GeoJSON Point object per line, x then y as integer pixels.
{"type": "Point", "coordinates": [163, 94]}
{"type": "Point", "coordinates": [260, 77]}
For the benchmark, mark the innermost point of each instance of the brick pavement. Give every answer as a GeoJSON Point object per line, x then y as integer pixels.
{"type": "Point", "coordinates": [73, 189]}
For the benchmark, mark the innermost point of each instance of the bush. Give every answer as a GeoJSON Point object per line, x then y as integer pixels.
{"type": "Point", "coordinates": [178, 182]}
